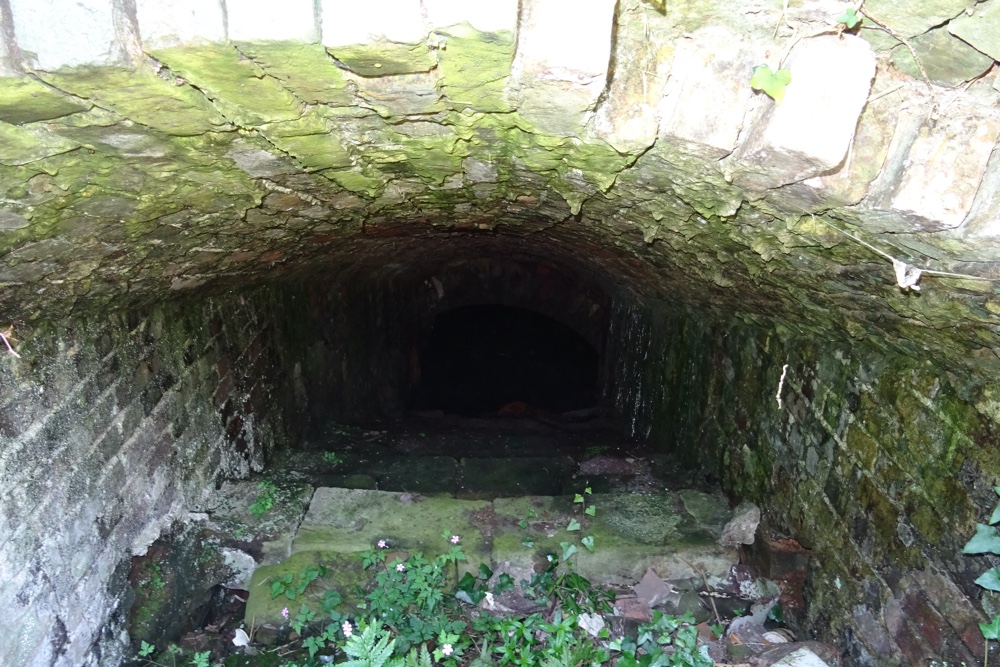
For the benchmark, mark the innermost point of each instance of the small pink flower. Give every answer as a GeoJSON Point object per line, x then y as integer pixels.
{"type": "Point", "coordinates": [400, 567]}
{"type": "Point", "coordinates": [346, 627]}
{"type": "Point", "coordinates": [454, 540]}
{"type": "Point", "coordinates": [447, 650]}
{"type": "Point", "coordinates": [382, 544]}
{"type": "Point", "coordinates": [284, 612]}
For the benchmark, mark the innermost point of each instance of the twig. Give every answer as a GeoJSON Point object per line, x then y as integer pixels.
{"type": "Point", "coordinates": [4, 335]}
{"type": "Point", "coordinates": [781, 383]}
{"type": "Point", "coordinates": [704, 578]}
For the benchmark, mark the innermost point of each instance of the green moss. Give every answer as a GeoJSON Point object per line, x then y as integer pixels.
{"type": "Point", "coordinates": [28, 100]}
{"type": "Point", "coordinates": [20, 144]}
{"type": "Point", "coordinates": [475, 68]}
{"type": "Point", "coordinates": [357, 180]}
{"type": "Point", "coordinates": [144, 97]}
{"type": "Point", "coordinates": [234, 84]}
{"type": "Point", "coordinates": [305, 69]}
{"type": "Point", "coordinates": [384, 58]}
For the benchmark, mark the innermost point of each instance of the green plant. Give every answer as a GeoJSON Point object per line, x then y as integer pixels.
{"type": "Point", "coordinates": [770, 82]}
{"type": "Point", "coordinates": [293, 585]}
{"type": "Point", "coordinates": [647, 650]}
{"type": "Point", "coordinates": [987, 541]}
{"type": "Point", "coordinates": [173, 652]}
{"type": "Point", "coordinates": [331, 458]}
{"type": "Point", "coordinates": [266, 497]}
{"type": "Point", "coordinates": [155, 578]}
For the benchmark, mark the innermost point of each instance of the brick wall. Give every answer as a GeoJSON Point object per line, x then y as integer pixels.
{"type": "Point", "coordinates": [878, 463]}
{"type": "Point", "coordinates": [109, 426]}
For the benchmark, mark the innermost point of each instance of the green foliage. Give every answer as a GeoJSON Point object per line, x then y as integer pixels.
{"type": "Point", "coordinates": [370, 646]}
{"type": "Point", "coordinates": [266, 496]}
{"type": "Point", "coordinates": [293, 586]}
{"type": "Point", "coordinates": [647, 650]}
{"type": "Point", "coordinates": [850, 18]}
{"type": "Point", "coordinates": [770, 82]}
{"type": "Point", "coordinates": [987, 541]}
{"type": "Point", "coordinates": [331, 458]}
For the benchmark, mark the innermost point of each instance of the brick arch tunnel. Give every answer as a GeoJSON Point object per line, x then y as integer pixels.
{"type": "Point", "coordinates": [224, 227]}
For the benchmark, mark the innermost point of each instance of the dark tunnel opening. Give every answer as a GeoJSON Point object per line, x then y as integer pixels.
{"type": "Point", "coordinates": [480, 358]}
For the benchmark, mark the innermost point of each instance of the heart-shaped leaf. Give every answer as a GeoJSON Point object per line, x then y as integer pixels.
{"type": "Point", "coordinates": [573, 525]}
{"type": "Point", "coordinates": [850, 18]}
{"type": "Point", "coordinates": [591, 511]}
{"type": "Point", "coordinates": [990, 579]}
{"type": "Point", "coordinates": [588, 542]}
{"type": "Point", "coordinates": [991, 630]}
{"type": "Point", "coordinates": [771, 83]}
{"type": "Point", "coordinates": [985, 541]}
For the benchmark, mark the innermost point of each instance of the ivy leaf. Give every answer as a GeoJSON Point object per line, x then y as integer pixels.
{"type": "Point", "coordinates": [771, 83]}
{"type": "Point", "coordinates": [573, 525]}
{"type": "Point", "coordinates": [991, 630]}
{"type": "Point", "coordinates": [985, 541]}
{"type": "Point", "coordinates": [588, 542]}
{"type": "Point", "coordinates": [990, 579]}
{"type": "Point", "coordinates": [568, 550]}
{"type": "Point", "coordinates": [588, 491]}
{"type": "Point", "coordinates": [578, 498]}
{"type": "Point", "coordinates": [591, 511]}
{"type": "Point", "coordinates": [995, 517]}
{"type": "Point", "coordinates": [850, 18]}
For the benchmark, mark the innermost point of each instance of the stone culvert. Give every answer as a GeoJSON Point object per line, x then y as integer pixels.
{"type": "Point", "coordinates": [224, 222]}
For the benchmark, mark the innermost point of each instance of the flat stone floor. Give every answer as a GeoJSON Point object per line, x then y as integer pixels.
{"type": "Point", "coordinates": [506, 487]}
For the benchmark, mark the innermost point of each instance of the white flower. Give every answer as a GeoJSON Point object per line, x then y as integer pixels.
{"type": "Point", "coordinates": [382, 544]}
{"type": "Point", "coordinates": [284, 612]}
{"type": "Point", "coordinates": [400, 567]}
{"type": "Point", "coordinates": [446, 650]}
{"type": "Point", "coordinates": [346, 627]}
{"type": "Point", "coordinates": [455, 539]}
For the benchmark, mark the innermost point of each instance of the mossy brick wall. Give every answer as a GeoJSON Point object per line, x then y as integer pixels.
{"type": "Point", "coordinates": [879, 463]}
{"type": "Point", "coordinates": [109, 427]}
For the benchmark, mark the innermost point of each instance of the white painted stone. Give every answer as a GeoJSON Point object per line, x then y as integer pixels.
{"type": "Point", "coordinates": [802, 657]}
{"type": "Point", "coordinates": [559, 72]}
{"type": "Point", "coordinates": [705, 99]}
{"type": "Point", "coordinates": [162, 25]}
{"type": "Point", "coordinates": [252, 20]}
{"type": "Point", "coordinates": [945, 166]}
{"type": "Point", "coordinates": [348, 22]}
{"type": "Point", "coordinates": [810, 132]}
{"type": "Point", "coordinates": [493, 16]}
{"type": "Point", "coordinates": [56, 33]}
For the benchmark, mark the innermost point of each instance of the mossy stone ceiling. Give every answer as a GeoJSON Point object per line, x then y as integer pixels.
{"type": "Point", "coordinates": [168, 149]}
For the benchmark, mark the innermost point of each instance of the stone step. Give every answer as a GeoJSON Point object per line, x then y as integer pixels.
{"type": "Point", "coordinates": [675, 534]}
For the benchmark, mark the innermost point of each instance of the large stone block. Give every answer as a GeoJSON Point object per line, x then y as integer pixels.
{"type": "Point", "coordinates": [346, 22]}
{"type": "Point", "coordinates": [53, 34]}
{"type": "Point", "coordinates": [627, 117]}
{"type": "Point", "coordinates": [705, 100]}
{"type": "Point", "coordinates": [934, 169]}
{"type": "Point", "coordinates": [497, 16]}
{"type": "Point", "coordinates": [253, 20]}
{"type": "Point", "coordinates": [165, 24]}
{"type": "Point", "coordinates": [810, 132]}
{"type": "Point", "coordinates": [559, 73]}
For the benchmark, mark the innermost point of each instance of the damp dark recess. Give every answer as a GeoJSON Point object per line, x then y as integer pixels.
{"type": "Point", "coordinates": [480, 358]}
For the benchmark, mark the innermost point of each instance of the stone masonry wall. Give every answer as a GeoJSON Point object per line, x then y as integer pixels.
{"type": "Point", "coordinates": [109, 428]}
{"type": "Point", "coordinates": [878, 463]}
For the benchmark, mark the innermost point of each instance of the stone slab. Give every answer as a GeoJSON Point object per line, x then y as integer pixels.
{"type": "Point", "coordinates": [981, 28]}
{"type": "Point", "coordinates": [353, 520]}
{"type": "Point", "coordinates": [166, 24]}
{"type": "Point", "coordinates": [810, 132]}
{"type": "Point", "coordinates": [912, 18]}
{"type": "Point", "coordinates": [632, 533]}
{"type": "Point", "coordinates": [27, 100]}
{"type": "Point", "coordinates": [416, 474]}
{"type": "Point", "coordinates": [945, 58]}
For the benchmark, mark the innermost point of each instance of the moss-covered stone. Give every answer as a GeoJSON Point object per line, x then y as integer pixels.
{"type": "Point", "coordinates": [27, 100]}
{"type": "Point", "coordinates": [384, 58]}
